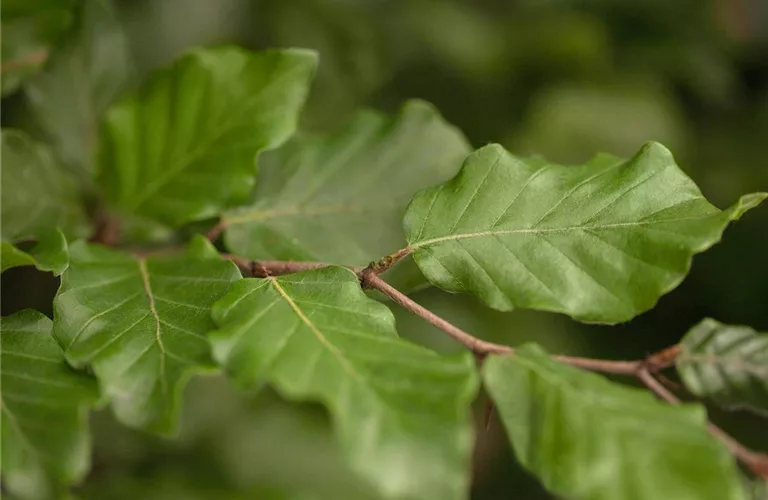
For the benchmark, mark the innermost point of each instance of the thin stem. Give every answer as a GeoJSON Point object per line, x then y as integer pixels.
{"type": "Point", "coordinates": [35, 58]}
{"type": "Point", "coordinates": [480, 347]}
{"type": "Point", "coordinates": [266, 268]}
{"type": "Point", "coordinates": [214, 233]}
{"type": "Point", "coordinates": [370, 279]}
{"type": "Point", "coordinates": [756, 462]}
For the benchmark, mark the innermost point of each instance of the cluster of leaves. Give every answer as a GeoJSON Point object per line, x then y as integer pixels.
{"type": "Point", "coordinates": [600, 242]}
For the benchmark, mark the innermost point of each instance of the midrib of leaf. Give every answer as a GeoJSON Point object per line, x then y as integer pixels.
{"type": "Point", "coordinates": [316, 331]}
{"type": "Point", "coordinates": [306, 210]}
{"type": "Point", "coordinates": [567, 229]}
{"type": "Point", "coordinates": [148, 290]}
{"type": "Point", "coordinates": [163, 179]}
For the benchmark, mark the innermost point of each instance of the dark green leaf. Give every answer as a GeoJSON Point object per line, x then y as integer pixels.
{"type": "Point", "coordinates": [183, 147]}
{"type": "Point", "coordinates": [600, 242]}
{"type": "Point", "coordinates": [29, 28]}
{"type": "Point", "coordinates": [401, 411]}
{"type": "Point", "coordinates": [588, 438]}
{"type": "Point", "coordinates": [44, 405]}
{"type": "Point", "coordinates": [726, 363]}
{"type": "Point", "coordinates": [141, 324]}
{"type": "Point", "coordinates": [15, 8]}
{"type": "Point", "coordinates": [81, 80]}
{"type": "Point", "coordinates": [340, 198]}
{"type": "Point", "coordinates": [39, 202]}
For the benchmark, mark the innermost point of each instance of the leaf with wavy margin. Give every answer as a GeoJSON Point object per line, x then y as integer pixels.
{"type": "Point", "coordinates": [44, 405]}
{"type": "Point", "coordinates": [600, 242]}
{"type": "Point", "coordinates": [726, 363]}
{"type": "Point", "coordinates": [401, 412]}
{"type": "Point", "coordinates": [340, 198]}
{"type": "Point", "coordinates": [41, 202]}
{"type": "Point", "coordinates": [183, 146]}
{"type": "Point", "coordinates": [586, 437]}
{"type": "Point", "coordinates": [141, 323]}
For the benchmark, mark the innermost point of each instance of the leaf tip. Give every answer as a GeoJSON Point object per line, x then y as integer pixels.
{"type": "Point", "coordinates": [746, 203]}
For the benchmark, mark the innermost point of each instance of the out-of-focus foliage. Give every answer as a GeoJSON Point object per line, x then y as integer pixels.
{"type": "Point", "coordinates": [559, 78]}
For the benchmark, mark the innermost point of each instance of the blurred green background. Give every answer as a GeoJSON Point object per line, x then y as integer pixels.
{"type": "Point", "coordinates": [560, 78]}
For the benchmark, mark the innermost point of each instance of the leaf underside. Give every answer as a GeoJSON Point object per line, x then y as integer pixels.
{"type": "Point", "coordinates": [340, 198]}
{"type": "Point", "coordinates": [726, 363]}
{"type": "Point", "coordinates": [141, 323]}
{"type": "Point", "coordinates": [585, 437]}
{"type": "Point", "coordinates": [599, 242]}
{"type": "Point", "coordinates": [183, 147]}
{"type": "Point", "coordinates": [400, 411]}
{"type": "Point", "coordinates": [44, 404]}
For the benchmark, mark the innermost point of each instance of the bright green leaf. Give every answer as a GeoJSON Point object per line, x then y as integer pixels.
{"type": "Point", "coordinates": [13, 257]}
{"type": "Point", "coordinates": [80, 81]}
{"type": "Point", "coordinates": [587, 438]}
{"type": "Point", "coordinates": [51, 253]}
{"type": "Point", "coordinates": [726, 363]}
{"type": "Point", "coordinates": [183, 147]}
{"type": "Point", "coordinates": [141, 324]}
{"type": "Point", "coordinates": [600, 242]}
{"type": "Point", "coordinates": [341, 198]}
{"type": "Point", "coordinates": [39, 202]}
{"type": "Point", "coordinates": [401, 411]}
{"type": "Point", "coordinates": [44, 409]}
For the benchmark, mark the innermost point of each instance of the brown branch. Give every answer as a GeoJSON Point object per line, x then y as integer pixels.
{"type": "Point", "coordinates": [35, 58]}
{"type": "Point", "coordinates": [755, 461]}
{"type": "Point", "coordinates": [214, 233]}
{"type": "Point", "coordinates": [390, 260]}
{"type": "Point", "coordinates": [480, 347]}
{"type": "Point", "coordinates": [106, 229]}
{"type": "Point", "coordinates": [266, 268]}
{"type": "Point", "coordinates": [371, 279]}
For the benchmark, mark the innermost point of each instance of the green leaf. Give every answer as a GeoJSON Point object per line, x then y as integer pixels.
{"type": "Point", "coordinates": [183, 147]}
{"type": "Point", "coordinates": [82, 78]}
{"type": "Point", "coordinates": [15, 8]}
{"type": "Point", "coordinates": [51, 253]}
{"type": "Point", "coordinates": [599, 242]}
{"type": "Point", "coordinates": [726, 363]}
{"type": "Point", "coordinates": [340, 198]}
{"type": "Point", "coordinates": [141, 324]}
{"type": "Point", "coordinates": [585, 437]}
{"type": "Point", "coordinates": [39, 202]}
{"type": "Point", "coordinates": [401, 411]}
{"type": "Point", "coordinates": [13, 257]}
{"type": "Point", "coordinates": [29, 28]}
{"type": "Point", "coordinates": [44, 409]}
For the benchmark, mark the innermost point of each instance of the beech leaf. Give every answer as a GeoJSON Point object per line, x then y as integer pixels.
{"type": "Point", "coordinates": [586, 437]}
{"type": "Point", "coordinates": [29, 29]}
{"type": "Point", "coordinates": [183, 147]}
{"type": "Point", "coordinates": [41, 202]}
{"type": "Point", "coordinates": [726, 363]}
{"type": "Point", "coordinates": [141, 324]}
{"type": "Point", "coordinates": [82, 78]}
{"type": "Point", "coordinates": [44, 409]}
{"type": "Point", "coordinates": [318, 197]}
{"type": "Point", "coordinates": [600, 242]}
{"type": "Point", "coordinates": [401, 412]}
